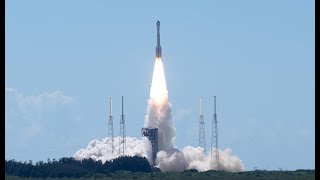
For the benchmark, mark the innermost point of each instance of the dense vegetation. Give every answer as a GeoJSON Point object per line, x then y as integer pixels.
{"type": "Point", "coordinates": [186, 175]}
{"type": "Point", "coordinates": [129, 168]}
{"type": "Point", "coordinates": [69, 167]}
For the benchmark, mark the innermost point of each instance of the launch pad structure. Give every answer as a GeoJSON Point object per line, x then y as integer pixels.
{"type": "Point", "coordinates": [152, 135]}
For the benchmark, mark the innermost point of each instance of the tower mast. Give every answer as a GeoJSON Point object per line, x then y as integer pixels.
{"type": "Point", "coordinates": [202, 139]}
{"type": "Point", "coordinates": [214, 163]}
{"type": "Point", "coordinates": [122, 142]}
{"type": "Point", "coordinates": [110, 127]}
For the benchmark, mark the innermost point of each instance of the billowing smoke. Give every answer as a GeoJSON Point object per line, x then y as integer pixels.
{"type": "Point", "coordinates": [172, 160]}
{"type": "Point", "coordinates": [102, 150]}
{"type": "Point", "coordinates": [159, 109]}
{"type": "Point", "coordinates": [169, 158]}
{"type": "Point", "coordinates": [195, 158]}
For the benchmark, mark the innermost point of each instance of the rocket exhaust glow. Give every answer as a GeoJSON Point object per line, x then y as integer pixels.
{"type": "Point", "coordinates": [158, 92]}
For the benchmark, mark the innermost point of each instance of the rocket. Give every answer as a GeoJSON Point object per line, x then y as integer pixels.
{"type": "Point", "coordinates": [158, 48]}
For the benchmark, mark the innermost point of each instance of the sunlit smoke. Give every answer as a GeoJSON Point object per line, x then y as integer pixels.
{"type": "Point", "coordinates": [172, 160]}
{"type": "Point", "coordinates": [159, 109]}
{"type": "Point", "coordinates": [195, 158]}
{"type": "Point", "coordinates": [101, 150]}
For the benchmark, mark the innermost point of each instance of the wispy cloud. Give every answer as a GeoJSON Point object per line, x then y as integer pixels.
{"type": "Point", "coordinates": [29, 116]}
{"type": "Point", "coordinates": [181, 114]}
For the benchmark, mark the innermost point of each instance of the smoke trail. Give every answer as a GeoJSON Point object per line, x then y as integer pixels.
{"type": "Point", "coordinates": [159, 109]}
{"type": "Point", "coordinates": [169, 158]}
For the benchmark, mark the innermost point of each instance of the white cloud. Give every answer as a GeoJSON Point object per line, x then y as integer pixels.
{"type": "Point", "coordinates": [30, 119]}
{"type": "Point", "coordinates": [181, 114]}
{"type": "Point", "coordinates": [39, 102]}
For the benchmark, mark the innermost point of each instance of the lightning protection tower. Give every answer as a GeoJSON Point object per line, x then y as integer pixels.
{"type": "Point", "coordinates": [202, 138]}
{"type": "Point", "coordinates": [122, 141]}
{"type": "Point", "coordinates": [110, 129]}
{"type": "Point", "coordinates": [214, 163]}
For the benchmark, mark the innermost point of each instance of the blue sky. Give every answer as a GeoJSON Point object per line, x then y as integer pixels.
{"type": "Point", "coordinates": [64, 59]}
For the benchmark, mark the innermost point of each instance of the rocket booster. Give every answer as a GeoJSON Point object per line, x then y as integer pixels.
{"type": "Point", "coordinates": [158, 48]}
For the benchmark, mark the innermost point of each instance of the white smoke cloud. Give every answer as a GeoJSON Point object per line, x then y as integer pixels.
{"type": "Point", "coordinates": [195, 158]}
{"type": "Point", "coordinates": [173, 160]}
{"type": "Point", "coordinates": [169, 158]}
{"type": "Point", "coordinates": [159, 116]}
{"type": "Point", "coordinates": [230, 162]}
{"type": "Point", "coordinates": [102, 150]}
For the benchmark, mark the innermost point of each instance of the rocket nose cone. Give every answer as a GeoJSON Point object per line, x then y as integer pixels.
{"type": "Point", "coordinates": [158, 23]}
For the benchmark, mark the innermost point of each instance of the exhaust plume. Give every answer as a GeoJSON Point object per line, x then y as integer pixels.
{"type": "Point", "coordinates": [159, 109]}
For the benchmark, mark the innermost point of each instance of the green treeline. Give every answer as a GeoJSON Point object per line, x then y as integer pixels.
{"type": "Point", "coordinates": [69, 167]}
{"type": "Point", "coordinates": [191, 175]}
{"type": "Point", "coordinates": [127, 167]}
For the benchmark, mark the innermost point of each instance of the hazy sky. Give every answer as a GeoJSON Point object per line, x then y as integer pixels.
{"type": "Point", "coordinates": [64, 59]}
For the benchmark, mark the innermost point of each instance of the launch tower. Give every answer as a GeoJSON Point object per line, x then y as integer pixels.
{"type": "Point", "coordinates": [152, 135]}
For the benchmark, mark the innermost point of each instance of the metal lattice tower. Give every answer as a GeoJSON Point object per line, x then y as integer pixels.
{"type": "Point", "coordinates": [110, 128]}
{"type": "Point", "coordinates": [214, 163]}
{"type": "Point", "coordinates": [202, 138]}
{"type": "Point", "coordinates": [122, 141]}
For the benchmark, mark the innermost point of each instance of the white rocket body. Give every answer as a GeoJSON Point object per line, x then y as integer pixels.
{"type": "Point", "coordinates": [158, 48]}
